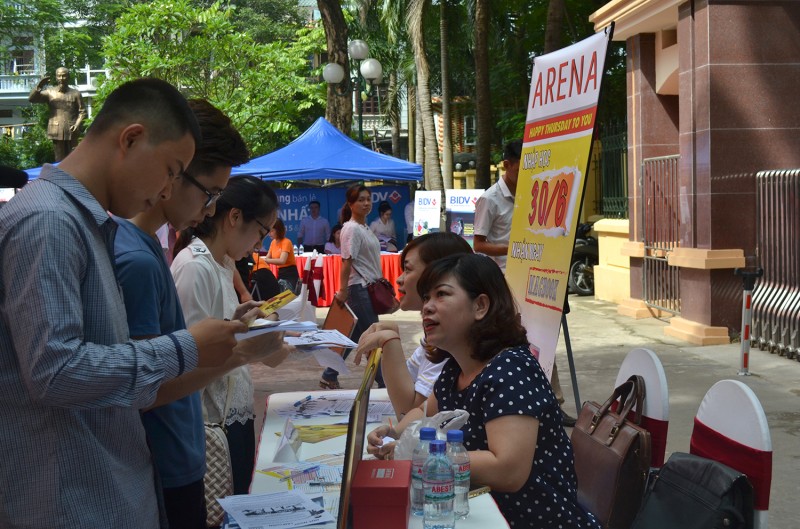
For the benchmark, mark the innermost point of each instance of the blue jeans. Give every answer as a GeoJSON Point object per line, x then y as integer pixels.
{"type": "Point", "coordinates": [360, 304]}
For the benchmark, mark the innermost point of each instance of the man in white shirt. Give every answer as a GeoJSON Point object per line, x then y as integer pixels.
{"type": "Point", "coordinates": [495, 208]}
{"type": "Point", "coordinates": [314, 230]}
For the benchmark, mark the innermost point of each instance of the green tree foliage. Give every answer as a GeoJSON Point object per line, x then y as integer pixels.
{"type": "Point", "coordinates": [264, 87]}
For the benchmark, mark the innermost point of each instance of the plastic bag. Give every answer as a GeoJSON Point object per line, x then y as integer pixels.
{"type": "Point", "coordinates": [442, 421]}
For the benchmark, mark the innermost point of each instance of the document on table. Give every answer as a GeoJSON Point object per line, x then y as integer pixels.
{"type": "Point", "coordinates": [276, 510]}
{"type": "Point", "coordinates": [332, 406]}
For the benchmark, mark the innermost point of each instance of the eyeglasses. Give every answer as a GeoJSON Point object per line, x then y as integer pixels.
{"type": "Point", "coordinates": [262, 236]}
{"type": "Point", "coordinates": [212, 197]}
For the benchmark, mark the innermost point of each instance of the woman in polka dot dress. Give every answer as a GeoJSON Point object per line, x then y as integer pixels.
{"type": "Point", "coordinates": [468, 311]}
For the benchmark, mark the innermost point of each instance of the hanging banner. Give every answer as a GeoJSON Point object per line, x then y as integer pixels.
{"type": "Point", "coordinates": [427, 212]}
{"type": "Point", "coordinates": [460, 211]}
{"type": "Point", "coordinates": [562, 107]}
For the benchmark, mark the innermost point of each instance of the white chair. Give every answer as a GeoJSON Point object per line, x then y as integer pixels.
{"type": "Point", "coordinates": [655, 415]}
{"type": "Point", "coordinates": [731, 427]}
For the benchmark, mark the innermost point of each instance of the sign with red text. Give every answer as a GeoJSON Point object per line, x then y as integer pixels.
{"type": "Point", "coordinates": [562, 107]}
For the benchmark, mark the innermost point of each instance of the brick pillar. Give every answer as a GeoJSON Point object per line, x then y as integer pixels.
{"type": "Point", "coordinates": [652, 131]}
{"type": "Point", "coordinates": [739, 73]}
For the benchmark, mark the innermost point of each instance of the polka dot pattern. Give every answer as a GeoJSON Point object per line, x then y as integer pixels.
{"type": "Point", "coordinates": [513, 383]}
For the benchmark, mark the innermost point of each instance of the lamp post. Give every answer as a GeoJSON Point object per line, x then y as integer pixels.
{"type": "Point", "coordinates": [368, 72]}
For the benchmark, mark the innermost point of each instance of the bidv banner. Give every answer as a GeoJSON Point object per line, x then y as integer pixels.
{"type": "Point", "coordinates": [294, 206]}
{"type": "Point", "coordinates": [427, 212]}
{"type": "Point", "coordinates": [460, 211]}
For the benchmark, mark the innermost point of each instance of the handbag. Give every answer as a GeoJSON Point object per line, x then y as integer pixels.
{"type": "Point", "coordinates": [612, 456]}
{"type": "Point", "coordinates": [692, 492]}
{"type": "Point", "coordinates": [381, 295]}
{"type": "Point", "coordinates": [218, 479]}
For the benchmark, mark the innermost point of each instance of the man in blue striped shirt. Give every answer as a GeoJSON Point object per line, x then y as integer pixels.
{"type": "Point", "coordinates": [73, 450]}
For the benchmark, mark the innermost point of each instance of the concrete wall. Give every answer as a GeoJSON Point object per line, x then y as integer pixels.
{"type": "Point", "coordinates": [612, 275]}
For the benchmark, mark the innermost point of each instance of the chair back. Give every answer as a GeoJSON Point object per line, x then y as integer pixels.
{"type": "Point", "coordinates": [655, 415]}
{"type": "Point", "coordinates": [731, 427]}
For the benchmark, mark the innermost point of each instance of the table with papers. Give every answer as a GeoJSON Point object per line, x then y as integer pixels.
{"type": "Point", "coordinates": [320, 419]}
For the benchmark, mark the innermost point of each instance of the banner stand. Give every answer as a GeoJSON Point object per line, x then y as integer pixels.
{"type": "Point", "coordinates": [570, 359]}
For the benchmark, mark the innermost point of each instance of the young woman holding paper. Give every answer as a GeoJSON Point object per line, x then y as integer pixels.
{"type": "Point", "coordinates": [361, 264]}
{"type": "Point", "coordinates": [516, 442]}
{"type": "Point", "coordinates": [203, 270]}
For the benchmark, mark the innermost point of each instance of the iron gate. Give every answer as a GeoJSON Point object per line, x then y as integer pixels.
{"type": "Point", "coordinates": [660, 215]}
{"type": "Point", "coordinates": [776, 298]}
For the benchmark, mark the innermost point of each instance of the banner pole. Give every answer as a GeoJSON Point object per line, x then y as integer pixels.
{"type": "Point", "coordinates": [572, 375]}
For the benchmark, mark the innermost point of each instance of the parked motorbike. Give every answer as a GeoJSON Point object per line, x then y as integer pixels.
{"type": "Point", "coordinates": [585, 256]}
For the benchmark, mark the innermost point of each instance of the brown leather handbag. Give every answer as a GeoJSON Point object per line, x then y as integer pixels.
{"type": "Point", "coordinates": [612, 456]}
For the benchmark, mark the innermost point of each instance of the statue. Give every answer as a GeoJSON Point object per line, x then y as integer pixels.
{"type": "Point", "coordinates": [66, 112]}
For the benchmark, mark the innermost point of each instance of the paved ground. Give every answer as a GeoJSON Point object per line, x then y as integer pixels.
{"type": "Point", "coordinates": [600, 340]}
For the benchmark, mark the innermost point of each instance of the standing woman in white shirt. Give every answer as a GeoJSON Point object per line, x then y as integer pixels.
{"type": "Point", "coordinates": [203, 269]}
{"type": "Point", "coordinates": [361, 264]}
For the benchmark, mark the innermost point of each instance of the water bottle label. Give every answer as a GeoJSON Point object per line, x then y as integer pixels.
{"type": "Point", "coordinates": [416, 471]}
{"type": "Point", "coordinates": [461, 471]}
{"type": "Point", "coordinates": [439, 492]}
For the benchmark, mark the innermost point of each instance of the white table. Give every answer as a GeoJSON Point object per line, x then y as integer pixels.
{"type": "Point", "coordinates": [483, 510]}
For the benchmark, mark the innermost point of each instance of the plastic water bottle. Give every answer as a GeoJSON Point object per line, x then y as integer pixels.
{"type": "Point", "coordinates": [418, 458]}
{"type": "Point", "coordinates": [294, 248]}
{"type": "Point", "coordinates": [437, 478]}
{"type": "Point", "coordinates": [459, 457]}
{"type": "Point", "coordinates": [302, 250]}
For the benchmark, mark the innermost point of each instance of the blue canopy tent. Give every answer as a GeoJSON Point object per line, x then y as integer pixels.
{"type": "Point", "coordinates": [323, 152]}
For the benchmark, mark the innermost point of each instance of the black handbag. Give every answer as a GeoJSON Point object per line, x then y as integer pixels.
{"type": "Point", "coordinates": [692, 492]}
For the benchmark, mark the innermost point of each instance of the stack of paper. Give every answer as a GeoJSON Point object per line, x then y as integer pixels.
{"type": "Point", "coordinates": [320, 338]}
{"type": "Point", "coordinates": [260, 326]}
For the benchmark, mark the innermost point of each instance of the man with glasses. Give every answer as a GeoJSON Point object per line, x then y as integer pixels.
{"type": "Point", "coordinates": [174, 423]}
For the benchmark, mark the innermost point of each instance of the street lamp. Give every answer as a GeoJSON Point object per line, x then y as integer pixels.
{"type": "Point", "coordinates": [369, 71]}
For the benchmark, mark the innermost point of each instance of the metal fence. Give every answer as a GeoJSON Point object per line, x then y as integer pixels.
{"type": "Point", "coordinates": [660, 215]}
{"type": "Point", "coordinates": [612, 162]}
{"type": "Point", "coordinates": [776, 297]}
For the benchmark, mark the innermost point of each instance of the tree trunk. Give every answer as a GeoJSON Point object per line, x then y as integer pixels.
{"type": "Point", "coordinates": [483, 102]}
{"type": "Point", "coordinates": [413, 130]}
{"type": "Point", "coordinates": [395, 117]}
{"type": "Point", "coordinates": [339, 109]}
{"type": "Point", "coordinates": [447, 135]}
{"type": "Point", "coordinates": [433, 173]}
{"type": "Point", "coordinates": [555, 23]}
{"type": "Point", "coordinates": [419, 137]}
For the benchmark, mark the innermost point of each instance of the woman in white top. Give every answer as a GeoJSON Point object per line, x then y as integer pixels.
{"type": "Point", "coordinates": [383, 228]}
{"type": "Point", "coordinates": [203, 273]}
{"type": "Point", "coordinates": [361, 264]}
{"type": "Point", "coordinates": [410, 382]}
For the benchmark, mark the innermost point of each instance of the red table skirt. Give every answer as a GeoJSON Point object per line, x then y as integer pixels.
{"type": "Point", "coordinates": [331, 267]}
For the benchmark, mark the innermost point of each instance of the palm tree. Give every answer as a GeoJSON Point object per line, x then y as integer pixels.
{"type": "Point", "coordinates": [483, 101]}
{"type": "Point", "coordinates": [447, 142]}
{"type": "Point", "coordinates": [433, 173]}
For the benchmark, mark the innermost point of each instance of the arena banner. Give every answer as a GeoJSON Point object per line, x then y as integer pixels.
{"type": "Point", "coordinates": [460, 211]}
{"type": "Point", "coordinates": [427, 212]}
{"type": "Point", "coordinates": [562, 108]}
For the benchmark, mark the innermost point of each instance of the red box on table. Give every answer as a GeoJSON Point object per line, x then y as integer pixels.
{"type": "Point", "coordinates": [380, 495]}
